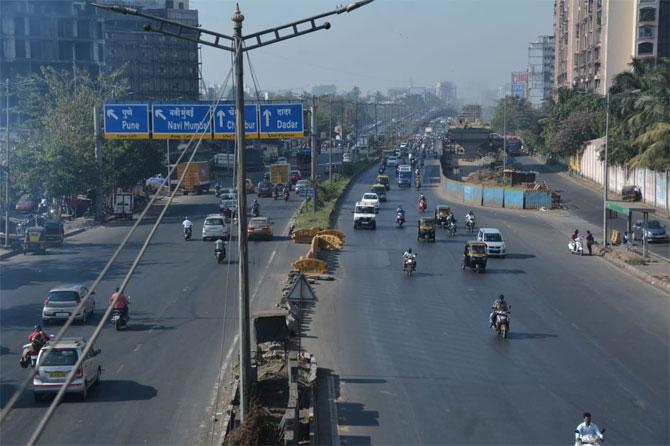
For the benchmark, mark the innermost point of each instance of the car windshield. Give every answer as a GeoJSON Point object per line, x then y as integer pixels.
{"type": "Point", "coordinates": [365, 210]}
{"type": "Point", "coordinates": [369, 197]}
{"type": "Point", "coordinates": [214, 222]}
{"type": "Point", "coordinates": [492, 237]}
{"type": "Point", "coordinates": [61, 357]}
{"type": "Point", "coordinates": [654, 224]}
{"type": "Point", "coordinates": [62, 296]}
{"type": "Point", "coordinates": [478, 249]}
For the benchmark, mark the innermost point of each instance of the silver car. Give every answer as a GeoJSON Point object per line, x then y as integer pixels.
{"type": "Point", "coordinates": [62, 301]}
{"type": "Point", "coordinates": [215, 228]}
{"type": "Point", "coordinates": [51, 375]}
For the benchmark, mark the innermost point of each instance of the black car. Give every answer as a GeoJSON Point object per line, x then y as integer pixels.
{"type": "Point", "coordinates": [264, 189]}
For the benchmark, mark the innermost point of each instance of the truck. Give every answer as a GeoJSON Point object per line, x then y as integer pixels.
{"type": "Point", "coordinates": [196, 179]}
{"type": "Point", "coordinates": [279, 173]}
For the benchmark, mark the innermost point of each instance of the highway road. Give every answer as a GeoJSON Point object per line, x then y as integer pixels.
{"type": "Point", "coordinates": [585, 202]}
{"type": "Point", "coordinates": [159, 375]}
{"type": "Point", "coordinates": [413, 361]}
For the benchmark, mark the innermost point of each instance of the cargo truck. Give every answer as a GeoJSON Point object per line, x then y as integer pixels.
{"type": "Point", "coordinates": [196, 179]}
{"type": "Point", "coordinates": [279, 173]}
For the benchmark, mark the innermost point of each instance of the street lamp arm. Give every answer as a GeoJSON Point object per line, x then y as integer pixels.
{"type": "Point", "coordinates": [173, 28]}
{"type": "Point", "coordinates": [294, 27]}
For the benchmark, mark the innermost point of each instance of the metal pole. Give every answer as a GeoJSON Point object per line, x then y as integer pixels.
{"type": "Point", "coordinates": [167, 176]}
{"type": "Point", "coordinates": [330, 139]}
{"type": "Point", "coordinates": [98, 159]}
{"type": "Point", "coordinates": [605, 173]}
{"type": "Point", "coordinates": [245, 341]}
{"type": "Point", "coordinates": [7, 164]}
{"type": "Point", "coordinates": [376, 129]}
{"type": "Point", "coordinates": [504, 137]}
{"type": "Point", "coordinates": [315, 153]}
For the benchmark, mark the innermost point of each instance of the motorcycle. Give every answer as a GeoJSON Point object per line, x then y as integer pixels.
{"type": "Point", "coordinates": [255, 211]}
{"type": "Point", "coordinates": [119, 320]}
{"type": "Point", "coordinates": [399, 219]}
{"type": "Point", "coordinates": [451, 227]}
{"type": "Point", "coordinates": [29, 355]}
{"type": "Point", "coordinates": [502, 323]}
{"type": "Point", "coordinates": [470, 224]}
{"type": "Point", "coordinates": [590, 439]}
{"type": "Point", "coordinates": [220, 254]}
{"type": "Point", "coordinates": [422, 205]}
{"type": "Point", "coordinates": [285, 194]}
{"type": "Point", "coordinates": [575, 246]}
{"type": "Point", "coordinates": [410, 266]}
{"type": "Point", "coordinates": [417, 183]}
{"type": "Point", "coordinates": [187, 233]}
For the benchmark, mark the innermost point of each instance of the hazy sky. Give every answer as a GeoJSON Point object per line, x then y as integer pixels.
{"type": "Point", "coordinates": [388, 43]}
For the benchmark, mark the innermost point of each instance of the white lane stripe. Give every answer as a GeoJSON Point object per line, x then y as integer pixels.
{"type": "Point", "coordinates": [263, 275]}
{"type": "Point", "coordinates": [138, 347]}
{"type": "Point", "coordinates": [119, 369]}
{"type": "Point", "coordinates": [334, 427]}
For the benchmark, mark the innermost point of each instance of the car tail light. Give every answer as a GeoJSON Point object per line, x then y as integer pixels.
{"type": "Point", "coordinates": [80, 372]}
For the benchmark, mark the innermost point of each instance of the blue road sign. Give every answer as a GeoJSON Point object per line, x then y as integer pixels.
{"type": "Point", "coordinates": [224, 121]}
{"type": "Point", "coordinates": [281, 121]}
{"type": "Point", "coordinates": [180, 121]}
{"type": "Point", "coordinates": [126, 121]}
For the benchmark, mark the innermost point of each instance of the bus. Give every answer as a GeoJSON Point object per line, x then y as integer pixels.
{"type": "Point", "coordinates": [303, 161]}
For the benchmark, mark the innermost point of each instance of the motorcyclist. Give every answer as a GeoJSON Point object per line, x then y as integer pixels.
{"type": "Point", "coordinates": [217, 189]}
{"type": "Point", "coordinates": [575, 235]}
{"type": "Point", "coordinates": [408, 255]}
{"type": "Point", "coordinates": [37, 338]}
{"type": "Point", "coordinates": [587, 428]}
{"type": "Point", "coordinates": [121, 303]}
{"type": "Point", "coordinates": [219, 246]}
{"type": "Point", "coordinates": [470, 216]}
{"type": "Point", "coordinates": [187, 224]}
{"type": "Point", "coordinates": [255, 207]}
{"type": "Point", "coordinates": [285, 193]}
{"type": "Point", "coordinates": [498, 305]}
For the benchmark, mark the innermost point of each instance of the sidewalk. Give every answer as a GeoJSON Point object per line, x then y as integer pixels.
{"type": "Point", "coordinates": [72, 227]}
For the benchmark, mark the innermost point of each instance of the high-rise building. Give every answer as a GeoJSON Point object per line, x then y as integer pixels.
{"type": "Point", "coordinates": [69, 34]}
{"type": "Point", "coordinates": [597, 39]}
{"type": "Point", "coordinates": [446, 91]}
{"type": "Point", "coordinates": [540, 69]}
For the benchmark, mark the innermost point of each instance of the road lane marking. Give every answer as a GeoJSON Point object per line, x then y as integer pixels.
{"type": "Point", "coordinates": [119, 369]}
{"type": "Point", "coordinates": [138, 347]}
{"type": "Point", "coordinates": [334, 427]}
{"type": "Point", "coordinates": [263, 275]}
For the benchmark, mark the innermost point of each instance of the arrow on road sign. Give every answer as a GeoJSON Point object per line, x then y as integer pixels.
{"type": "Point", "coordinates": [266, 115]}
{"type": "Point", "coordinates": [159, 112]}
{"type": "Point", "coordinates": [220, 114]}
{"type": "Point", "coordinates": [111, 114]}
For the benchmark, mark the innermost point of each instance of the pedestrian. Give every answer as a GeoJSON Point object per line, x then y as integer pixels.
{"type": "Point", "coordinates": [589, 241]}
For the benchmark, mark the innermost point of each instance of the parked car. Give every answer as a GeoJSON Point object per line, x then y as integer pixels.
{"type": "Point", "coordinates": [214, 228]}
{"type": "Point", "coordinates": [63, 355]}
{"type": "Point", "coordinates": [656, 232]}
{"type": "Point", "coordinates": [495, 244]}
{"type": "Point", "coordinates": [26, 203]}
{"type": "Point", "coordinates": [295, 176]}
{"type": "Point", "coordinates": [259, 227]}
{"type": "Point", "coordinates": [264, 189]}
{"type": "Point", "coordinates": [62, 301]}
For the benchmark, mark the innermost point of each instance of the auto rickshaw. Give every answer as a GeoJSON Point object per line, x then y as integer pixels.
{"type": "Point", "coordinates": [384, 179]}
{"type": "Point", "coordinates": [54, 232]}
{"type": "Point", "coordinates": [426, 229]}
{"type": "Point", "coordinates": [442, 213]}
{"type": "Point", "coordinates": [631, 193]}
{"type": "Point", "coordinates": [34, 240]}
{"type": "Point", "coordinates": [474, 256]}
{"type": "Point", "coordinates": [380, 190]}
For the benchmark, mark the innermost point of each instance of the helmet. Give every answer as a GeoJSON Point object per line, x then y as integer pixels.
{"type": "Point", "coordinates": [576, 231]}
{"type": "Point", "coordinates": [409, 250]}
{"type": "Point", "coordinates": [37, 327]}
{"type": "Point", "coordinates": [255, 201]}
{"type": "Point", "coordinates": [470, 211]}
{"type": "Point", "coordinates": [501, 297]}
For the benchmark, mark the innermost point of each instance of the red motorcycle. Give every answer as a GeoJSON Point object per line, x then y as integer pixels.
{"type": "Point", "coordinates": [422, 205]}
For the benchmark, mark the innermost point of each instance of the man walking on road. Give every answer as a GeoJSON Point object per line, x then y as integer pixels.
{"type": "Point", "coordinates": [589, 241]}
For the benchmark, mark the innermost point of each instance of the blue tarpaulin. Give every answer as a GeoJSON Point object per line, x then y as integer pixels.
{"type": "Point", "coordinates": [472, 195]}
{"type": "Point", "coordinates": [455, 190]}
{"type": "Point", "coordinates": [537, 199]}
{"type": "Point", "coordinates": [514, 198]}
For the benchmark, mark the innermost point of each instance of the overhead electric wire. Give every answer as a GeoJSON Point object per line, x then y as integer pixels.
{"type": "Point", "coordinates": [102, 274]}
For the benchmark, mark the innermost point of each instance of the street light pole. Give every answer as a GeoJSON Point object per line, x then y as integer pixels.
{"type": "Point", "coordinates": [504, 138]}
{"type": "Point", "coordinates": [7, 163]}
{"type": "Point", "coordinates": [605, 170]}
{"type": "Point", "coordinates": [315, 151]}
{"type": "Point", "coordinates": [330, 139]}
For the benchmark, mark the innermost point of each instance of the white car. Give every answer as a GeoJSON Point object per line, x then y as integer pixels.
{"type": "Point", "coordinates": [371, 199]}
{"type": "Point", "coordinates": [364, 215]}
{"type": "Point", "coordinates": [51, 375]}
{"type": "Point", "coordinates": [346, 157]}
{"type": "Point", "coordinates": [228, 194]}
{"type": "Point", "coordinates": [392, 161]}
{"type": "Point", "coordinates": [495, 244]}
{"type": "Point", "coordinates": [215, 228]}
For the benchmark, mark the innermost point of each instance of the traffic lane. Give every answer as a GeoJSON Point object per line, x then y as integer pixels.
{"type": "Point", "coordinates": [172, 330]}
{"type": "Point", "coordinates": [585, 202]}
{"type": "Point", "coordinates": [416, 328]}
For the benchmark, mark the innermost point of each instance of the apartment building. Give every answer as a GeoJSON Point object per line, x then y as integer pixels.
{"type": "Point", "coordinates": [540, 70]}
{"type": "Point", "coordinates": [597, 39]}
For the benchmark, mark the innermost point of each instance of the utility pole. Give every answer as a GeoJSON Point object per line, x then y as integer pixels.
{"type": "Point", "coordinates": [605, 169]}
{"type": "Point", "coordinates": [7, 163]}
{"type": "Point", "coordinates": [99, 216]}
{"type": "Point", "coordinates": [330, 139]}
{"type": "Point", "coordinates": [315, 151]}
{"type": "Point", "coordinates": [239, 44]}
{"type": "Point", "coordinates": [504, 138]}
{"type": "Point", "coordinates": [376, 128]}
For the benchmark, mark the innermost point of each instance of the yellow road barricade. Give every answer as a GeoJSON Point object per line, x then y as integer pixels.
{"type": "Point", "coordinates": [335, 232]}
{"type": "Point", "coordinates": [616, 237]}
{"type": "Point", "coordinates": [329, 242]}
{"type": "Point", "coordinates": [310, 266]}
{"type": "Point", "coordinates": [302, 236]}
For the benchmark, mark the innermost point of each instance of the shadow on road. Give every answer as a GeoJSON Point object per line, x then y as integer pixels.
{"type": "Point", "coordinates": [520, 336]}
{"type": "Point", "coordinates": [520, 256]}
{"type": "Point", "coordinates": [504, 271]}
